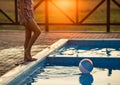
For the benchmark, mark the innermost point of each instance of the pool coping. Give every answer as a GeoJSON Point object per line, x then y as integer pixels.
{"type": "Point", "coordinates": [7, 78]}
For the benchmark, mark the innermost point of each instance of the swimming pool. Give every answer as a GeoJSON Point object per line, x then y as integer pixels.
{"type": "Point", "coordinates": [58, 64]}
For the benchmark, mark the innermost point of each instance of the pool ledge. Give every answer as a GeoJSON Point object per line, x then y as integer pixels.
{"type": "Point", "coordinates": [10, 76]}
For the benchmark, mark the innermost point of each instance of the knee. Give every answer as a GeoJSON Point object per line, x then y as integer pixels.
{"type": "Point", "coordinates": [38, 32]}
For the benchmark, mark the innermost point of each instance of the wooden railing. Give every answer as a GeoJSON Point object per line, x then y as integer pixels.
{"type": "Point", "coordinates": [76, 22]}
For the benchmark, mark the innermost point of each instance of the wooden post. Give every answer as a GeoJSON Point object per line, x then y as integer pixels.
{"type": "Point", "coordinates": [16, 12]}
{"type": "Point", "coordinates": [46, 16]}
{"type": "Point", "coordinates": [108, 16]}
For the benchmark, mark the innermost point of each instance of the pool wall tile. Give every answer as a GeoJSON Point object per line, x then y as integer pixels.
{"type": "Point", "coordinates": [111, 63]}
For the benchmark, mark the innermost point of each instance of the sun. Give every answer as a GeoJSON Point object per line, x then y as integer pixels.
{"type": "Point", "coordinates": [65, 4]}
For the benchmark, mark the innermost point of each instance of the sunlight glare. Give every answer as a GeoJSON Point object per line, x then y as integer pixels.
{"type": "Point", "coordinates": [65, 4]}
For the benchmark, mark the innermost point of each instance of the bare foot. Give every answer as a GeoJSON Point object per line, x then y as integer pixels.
{"type": "Point", "coordinates": [31, 59]}
{"type": "Point", "coordinates": [28, 57]}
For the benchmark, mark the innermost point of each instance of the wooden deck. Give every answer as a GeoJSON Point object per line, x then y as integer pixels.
{"type": "Point", "coordinates": [11, 44]}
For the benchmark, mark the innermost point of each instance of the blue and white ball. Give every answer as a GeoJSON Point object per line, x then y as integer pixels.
{"type": "Point", "coordinates": [86, 66]}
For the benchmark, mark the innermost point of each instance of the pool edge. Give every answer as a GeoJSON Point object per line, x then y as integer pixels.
{"type": "Point", "coordinates": [7, 78]}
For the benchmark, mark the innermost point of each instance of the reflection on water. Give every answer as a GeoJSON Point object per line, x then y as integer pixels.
{"type": "Point", "coordinates": [86, 79]}
{"type": "Point", "coordinates": [87, 52]}
{"type": "Point", "coordinates": [64, 75]}
{"type": "Point", "coordinates": [109, 72]}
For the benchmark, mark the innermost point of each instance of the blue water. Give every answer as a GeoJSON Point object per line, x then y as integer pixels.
{"type": "Point", "coordinates": [87, 48]}
{"type": "Point", "coordinates": [88, 52]}
{"type": "Point", "coordinates": [65, 75]}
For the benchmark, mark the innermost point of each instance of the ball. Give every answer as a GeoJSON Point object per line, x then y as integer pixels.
{"type": "Point", "coordinates": [86, 66]}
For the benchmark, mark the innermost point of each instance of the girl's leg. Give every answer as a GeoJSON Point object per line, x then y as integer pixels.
{"type": "Point", "coordinates": [28, 34]}
{"type": "Point", "coordinates": [36, 32]}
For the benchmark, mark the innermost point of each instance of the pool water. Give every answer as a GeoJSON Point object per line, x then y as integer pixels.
{"type": "Point", "coordinates": [87, 48]}
{"type": "Point", "coordinates": [70, 75]}
{"type": "Point", "coordinates": [92, 52]}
